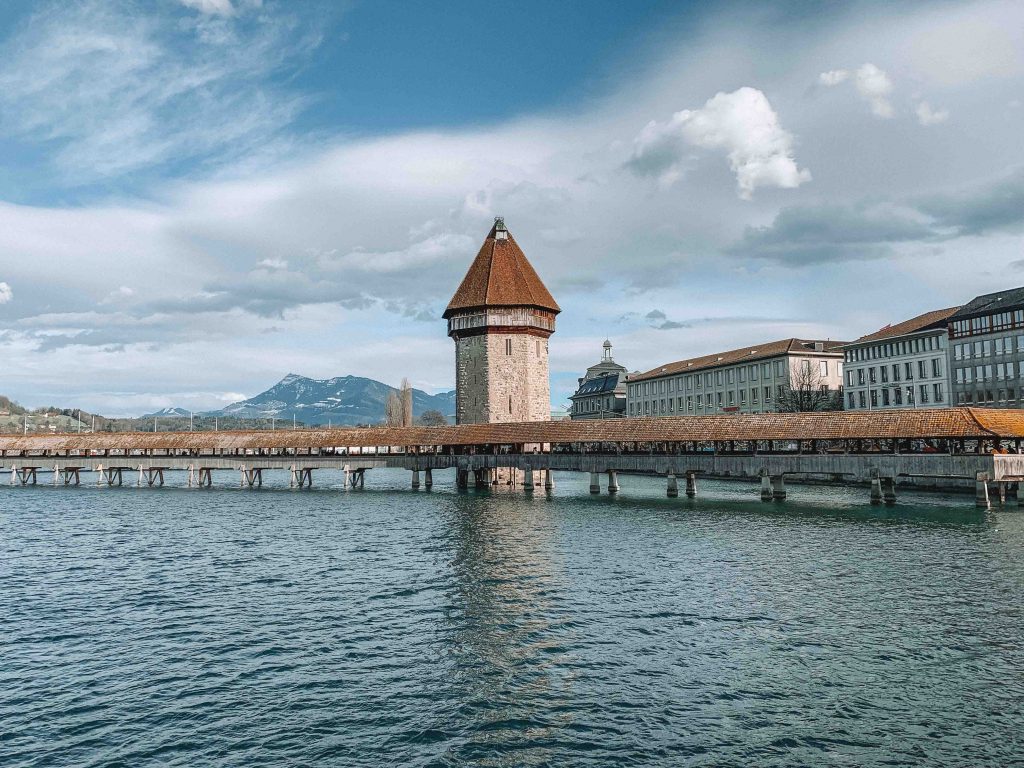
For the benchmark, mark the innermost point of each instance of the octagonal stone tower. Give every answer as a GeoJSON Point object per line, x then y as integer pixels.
{"type": "Point", "coordinates": [500, 319]}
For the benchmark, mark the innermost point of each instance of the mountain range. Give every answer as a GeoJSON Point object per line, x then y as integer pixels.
{"type": "Point", "coordinates": [344, 400]}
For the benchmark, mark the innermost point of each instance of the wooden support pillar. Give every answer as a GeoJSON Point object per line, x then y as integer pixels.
{"type": "Point", "coordinates": [428, 479]}
{"type": "Point", "coordinates": [766, 486]}
{"type": "Point", "coordinates": [691, 484]}
{"type": "Point", "coordinates": [528, 479]}
{"type": "Point", "coordinates": [876, 490]}
{"type": "Point", "coordinates": [595, 482]}
{"type": "Point", "coordinates": [1002, 493]}
{"type": "Point", "coordinates": [981, 490]}
{"type": "Point", "coordinates": [889, 490]}
{"type": "Point", "coordinates": [613, 481]}
{"type": "Point", "coordinates": [462, 479]}
{"type": "Point", "coordinates": [549, 480]}
{"type": "Point", "coordinates": [672, 490]}
{"type": "Point", "coordinates": [415, 479]}
{"type": "Point", "coordinates": [778, 488]}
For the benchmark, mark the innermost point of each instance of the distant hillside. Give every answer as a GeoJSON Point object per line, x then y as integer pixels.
{"type": "Point", "coordinates": [169, 413]}
{"type": "Point", "coordinates": [345, 400]}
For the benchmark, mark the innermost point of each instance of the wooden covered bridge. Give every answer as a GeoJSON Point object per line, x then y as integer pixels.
{"type": "Point", "coordinates": [952, 447]}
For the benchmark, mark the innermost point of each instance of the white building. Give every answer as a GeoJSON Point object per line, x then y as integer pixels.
{"type": "Point", "coordinates": [900, 366]}
{"type": "Point", "coordinates": [748, 380]}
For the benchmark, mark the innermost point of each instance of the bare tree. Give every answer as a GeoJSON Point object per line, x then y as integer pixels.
{"type": "Point", "coordinates": [398, 406]}
{"type": "Point", "coordinates": [808, 391]}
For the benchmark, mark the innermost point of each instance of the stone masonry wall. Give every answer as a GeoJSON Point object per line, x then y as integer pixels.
{"type": "Point", "coordinates": [495, 386]}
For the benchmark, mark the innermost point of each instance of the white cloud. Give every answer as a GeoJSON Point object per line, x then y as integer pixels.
{"type": "Point", "coordinates": [742, 123]}
{"type": "Point", "coordinates": [116, 92]}
{"type": "Point", "coordinates": [6, 294]}
{"type": "Point", "coordinates": [833, 77]}
{"type": "Point", "coordinates": [273, 264]}
{"type": "Point", "coordinates": [211, 7]}
{"type": "Point", "coordinates": [928, 116]}
{"type": "Point", "coordinates": [874, 86]}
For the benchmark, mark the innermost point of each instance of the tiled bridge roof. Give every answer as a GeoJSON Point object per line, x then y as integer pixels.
{"type": "Point", "coordinates": [910, 424]}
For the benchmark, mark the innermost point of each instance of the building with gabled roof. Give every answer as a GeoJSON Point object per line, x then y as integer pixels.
{"type": "Point", "coordinates": [500, 319]}
{"type": "Point", "coordinates": [900, 366]}
{"type": "Point", "coordinates": [747, 380]}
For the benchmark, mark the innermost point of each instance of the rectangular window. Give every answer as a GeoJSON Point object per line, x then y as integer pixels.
{"type": "Point", "coordinates": [871, 375]}
{"type": "Point", "coordinates": [700, 401]}
{"type": "Point", "coordinates": [730, 376]}
{"type": "Point", "coordinates": [924, 394]}
{"type": "Point", "coordinates": [849, 397]}
{"type": "Point", "coordinates": [510, 404]}
{"type": "Point", "coordinates": [897, 396]}
{"type": "Point", "coordinates": [823, 367]}
{"type": "Point", "coordinates": [936, 367]}
{"type": "Point", "coordinates": [779, 368]}
{"type": "Point", "coordinates": [718, 378]}
{"type": "Point", "coordinates": [741, 375]}
{"type": "Point", "coordinates": [508, 349]}
{"type": "Point", "coordinates": [689, 402]}
{"type": "Point", "coordinates": [753, 373]}
{"type": "Point", "coordinates": [718, 399]}
{"type": "Point", "coordinates": [732, 398]}
{"type": "Point", "coordinates": [884, 370]}
{"type": "Point", "coordinates": [860, 376]}
{"type": "Point", "coordinates": [767, 395]}
{"type": "Point", "coordinates": [895, 371]}
{"type": "Point", "coordinates": [753, 394]}
{"type": "Point", "coordinates": [885, 395]}
{"type": "Point", "coordinates": [874, 398]}
{"type": "Point", "coordinates": [909, 370]}
{"type": "Point", "coordinates": [937, 391]}
{"type": "Point", "coordinates": [862, 399]}
{"type": "Point", "coordinates": [849, 377]}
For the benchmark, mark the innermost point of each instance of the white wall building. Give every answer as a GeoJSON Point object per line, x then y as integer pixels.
{"type": "Point", "coordinates": [900, 366]}
{"type": "Point", "coordinates": [748, 380]}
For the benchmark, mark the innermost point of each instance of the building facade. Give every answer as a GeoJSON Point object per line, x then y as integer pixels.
{"type": "Point", "coordinates": [501, 318]}
{"type": "Point", "coordinates": [602, 390]}
{"type": "Point", "coordinates": [900, 366]}
{"type": "Point", "coordinates": [749, 380]}
{"type": "Point", "coordinates": [986, 339]}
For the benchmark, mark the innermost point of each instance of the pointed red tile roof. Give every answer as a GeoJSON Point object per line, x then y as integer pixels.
{"type": "Point", "coordinates": [501, 276]}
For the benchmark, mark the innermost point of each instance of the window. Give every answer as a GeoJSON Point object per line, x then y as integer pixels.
{"type": "Point", "coordinates": [805, 367]}
{"type": "Point", "coordinates": [732, 398]}
{"type": "Point", "coordinates": [753, 373]}
{"type": "Point", "coordinates": [910, 395]}
{"type": "Point", "coordinates": [897, 396]}
{"type": "Point", "coordinates": [779, 368]}
{"type": "Point", "coordinates": [700, 401]}
{"type": "Point", "coordinates": [871, 375]}
{"type": "Point", "coordinates": [689, 402]}
{"type": "Point", "coordinates": [849, 397]}
{"type": "Point", "coordinates": [823, 367]}
{"type": "Point", "coordinates": [937, 391]}
{"type": "Point", "coordinates": [936, 367]}
{"type": "Point", "coordinates": [909, 369]}
{"type": "Point", "coordinates": [874, 398]}
{"type": "Point", "coordinates": [538, 347]}
{"type": "Point", "coordinates": [849, 377]}
{"type": "Point", "coordinates": [753, 395]}
{"type": "Point", "coordinates": [885, 395]}
{"type": "Point", "coordinates": [922, 373]}
{"type": "Point", "coordinates": [508, 351]}
{"type": "Point", "coordinates": [862, 400]}
{"type": "Point", "coordinates": [718, 378]}
{"type": "Point", "coordinates": [718, 399]}
{"type": "Point", "coordinates": [895, 371]}
{"type": "Point", "coordinates": [860, 376]}
{"type": "Point", "coordinates": [884, 370]}
{"type": "Point", "coordinates": [510, 404]}
{"type": "Point", "coordinates": [767, 395]}
{"type": "Point", "coordinates": [924, 394]}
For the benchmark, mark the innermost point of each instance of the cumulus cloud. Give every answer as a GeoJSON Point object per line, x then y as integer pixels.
{"type": "Point", "coordinates": [6, 294]}
{"type": "Point", "coordinates": [872, 83]}
{"type": "Point", "coordinates": [742, 123]}
{"type": "Point", "coordinates": [875, 86]}
{"type": "Point", "coordinates": [272, 263]}
{"type": "Point", "coordinates": [833, 77]}
{"type": "Point", "coordinates": [928, 116]}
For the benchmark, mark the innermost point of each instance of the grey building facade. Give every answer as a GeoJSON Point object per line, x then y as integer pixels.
{"type": "Point", "coordinates": [986, 338]}
{"type": "Point", "coordinates": [900, 366]}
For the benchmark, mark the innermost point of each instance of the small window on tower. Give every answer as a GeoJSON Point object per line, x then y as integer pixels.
{"type": "Point", "coordinates": [538, 348]}
{"type": "Point", "coordinates": [508, 346]}
{"type": "Point", "coordinates": [510, 404]}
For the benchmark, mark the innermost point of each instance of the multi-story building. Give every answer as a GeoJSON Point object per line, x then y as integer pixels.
{"type": "Point", "coordinates": [500, 319]}
{"type": "Point", "coordinates": [986, 338]}
{"type": "Point", "coordinates": [900, 366]}
{"type": "Point", "coordinates": [602, 390]}
{"type": "Point", "coordinates": [748, 380]}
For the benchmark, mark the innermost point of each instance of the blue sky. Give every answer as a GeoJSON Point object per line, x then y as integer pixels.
{"type": "Point", "coordinates": [200, 196]}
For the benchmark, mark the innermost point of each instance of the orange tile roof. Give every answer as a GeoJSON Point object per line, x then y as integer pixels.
{"type": "Point", "coordinates": [733, 356]}
{"type": "Point", "coordinates": [907, 424]}
{"type": "Point", "coordinates": [921, 322]}
{"type": "Point", "coordinates": [501, 276]}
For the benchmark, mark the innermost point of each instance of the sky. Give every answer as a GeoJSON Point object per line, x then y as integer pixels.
{"type": "Point", "coordinates": [198, 197]}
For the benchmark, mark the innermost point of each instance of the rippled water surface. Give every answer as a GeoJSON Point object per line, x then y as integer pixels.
{"type": "Point", "coordinates": [188, 627]}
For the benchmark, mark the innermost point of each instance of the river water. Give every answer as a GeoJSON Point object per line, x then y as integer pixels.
{"type": "Point", "coordinates": [228, 627]}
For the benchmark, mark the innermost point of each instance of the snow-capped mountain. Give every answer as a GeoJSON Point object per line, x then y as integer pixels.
{"type": "Point", "coordinates": [345, 400]}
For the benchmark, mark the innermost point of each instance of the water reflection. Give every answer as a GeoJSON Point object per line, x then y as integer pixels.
{"type": "Point", "coordinates": [509, 634]}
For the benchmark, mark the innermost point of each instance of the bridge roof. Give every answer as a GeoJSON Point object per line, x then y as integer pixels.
{"type": "Point", "coordinates": [909, 424]}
